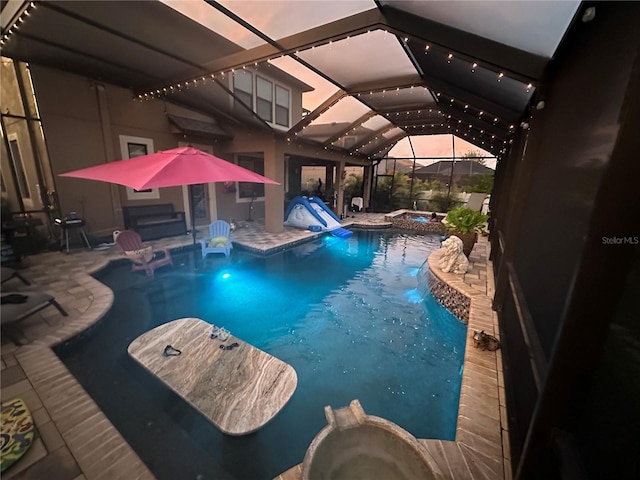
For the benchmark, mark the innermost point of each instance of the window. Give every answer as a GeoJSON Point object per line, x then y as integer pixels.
{"type": "Point", "coordinates": [250, 190]}
{"type": "Point", "coordinates": [136, 149]}
{"type": "Point", "coordinates": [18, 165]}
{"type": "Point", "coordinates": [131, 147]}
{"type": "Point", "coordinates": [282, 106]}
{"type": "Point", "coordinates": [264, 99]}
{"type": "Point", "coordinates": [243, 87]}
{"type": "Point", "coordinates": [274, 112]}
{"type": "Point", "coordinates": [349, 141]}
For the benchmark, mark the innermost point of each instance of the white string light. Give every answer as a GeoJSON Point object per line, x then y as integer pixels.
{"type": "Point", "coordinates": [450, 56]}
{"type": "Point", "coordinates": [427, 48]}
{"type": "Point", "coordinates": [16, 25]}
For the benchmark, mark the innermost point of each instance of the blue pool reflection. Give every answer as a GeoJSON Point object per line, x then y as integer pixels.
{"type": "Point", "coordinates": [345, 314]}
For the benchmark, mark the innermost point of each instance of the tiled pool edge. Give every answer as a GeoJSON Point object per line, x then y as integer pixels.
{"type": "Point", "coordinates": [481, 447]}
{"type": "Point", "coordinates": [452, 299]}
{"type": "Point", "coordinates": [95, 444]}
{"type": "Point", "coordinates": [462, 459]}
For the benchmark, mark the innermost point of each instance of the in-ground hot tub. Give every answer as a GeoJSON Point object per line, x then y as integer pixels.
{"type": "Point", "coordinates": [357, 446]}
{"type": "Point", "coordinates": [418, 221]}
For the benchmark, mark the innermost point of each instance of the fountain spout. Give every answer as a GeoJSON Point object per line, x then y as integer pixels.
{"type": "Point", "coordinates": [347, 417]}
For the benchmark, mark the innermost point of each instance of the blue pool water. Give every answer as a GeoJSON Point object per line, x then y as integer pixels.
{"type": "Point", "coordinates": [346, 314]}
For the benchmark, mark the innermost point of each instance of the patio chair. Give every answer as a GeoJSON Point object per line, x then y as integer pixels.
{"type": "Point", "coordinates": [9, 273]}
{"type": "Point", "coordinates": [141, 257]}
{"type": "Point", "coordinates": [17, 306]}
{"type": "Point", "coordinates": [219, 240]}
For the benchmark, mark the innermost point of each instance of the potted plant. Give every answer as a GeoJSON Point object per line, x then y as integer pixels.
{"type": "Point", "coordinates": [466, 223]}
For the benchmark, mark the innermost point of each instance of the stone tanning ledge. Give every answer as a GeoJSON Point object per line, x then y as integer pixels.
{"type": "Point", "coordinates": [238, 389]}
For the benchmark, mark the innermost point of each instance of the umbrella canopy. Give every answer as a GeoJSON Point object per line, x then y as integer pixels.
{"type": "Point", "coordinates": [169, 168]}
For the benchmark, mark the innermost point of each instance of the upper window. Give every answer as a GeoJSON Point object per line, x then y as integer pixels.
{"type": "Point", "coordinates": [264, 99]}
{"type": "Point", "coordinates": [271, 102]}
{"type": "Point", "coordinates": [282, 106]}
{"type": "Point", "coordinates": [243, 87]}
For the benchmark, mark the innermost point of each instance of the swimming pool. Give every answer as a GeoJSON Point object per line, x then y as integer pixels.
{"type": "Point", "coordinates": [344, 313]}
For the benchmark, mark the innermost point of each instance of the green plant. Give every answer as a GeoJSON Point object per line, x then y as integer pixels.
{"type": "Point", "coordinates": [464, 220]}
{"type": "Point", "coordinates": [352, 186]}
{"type": "Point", "coordinates": [482, 183]}
{"type": "Point", "coordinates": [442, 202]}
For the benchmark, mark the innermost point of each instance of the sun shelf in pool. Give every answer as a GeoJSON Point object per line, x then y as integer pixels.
{"type": "Point", "coordinates": [239, 388]}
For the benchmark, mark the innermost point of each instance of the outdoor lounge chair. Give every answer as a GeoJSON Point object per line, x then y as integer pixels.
{"type": "Point", "coordinates": [142, 258]}
{"type": "Point", "coordinates": [17, 306]}
{"type": "Point", "coordinates": [219, 240]}
{"type": "Point", "coordinates": [476, 200]}
{"type": "Point", "coordinates": [9, 273]}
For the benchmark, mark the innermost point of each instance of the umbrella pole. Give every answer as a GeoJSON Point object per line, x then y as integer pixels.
{"type": "Point", "coordinates": [193, 222]}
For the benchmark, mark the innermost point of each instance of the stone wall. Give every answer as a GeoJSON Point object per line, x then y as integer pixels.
{"type": "Point", "coordinates": [456, 302]}
{"type": "Point", "coordinates": [407, 221]}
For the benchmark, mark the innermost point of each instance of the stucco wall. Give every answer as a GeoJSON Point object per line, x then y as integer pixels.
{"type": "Point", "coordinates": [83, 121]}
{"type": "Point", "coordinates": [82, 130]}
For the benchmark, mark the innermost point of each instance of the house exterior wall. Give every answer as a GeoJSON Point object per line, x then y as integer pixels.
{"type": "Point", "coordinates": [83, 121]}
{"type": "Point", "coordinates": [269, 147]}
{"type": "Point", "coordinates": [71, 122]}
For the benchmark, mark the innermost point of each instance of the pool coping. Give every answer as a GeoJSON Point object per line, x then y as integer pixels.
{"type": "Point", "coordinates": [481, 446]}
{"type": "Point", "coordinates": [53, 388]}
{"type": "Point", "coordinates": [68, 410]}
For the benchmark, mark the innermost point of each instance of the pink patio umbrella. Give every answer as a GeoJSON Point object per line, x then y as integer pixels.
{"type": "Point", "coordinates": [170, 168]}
